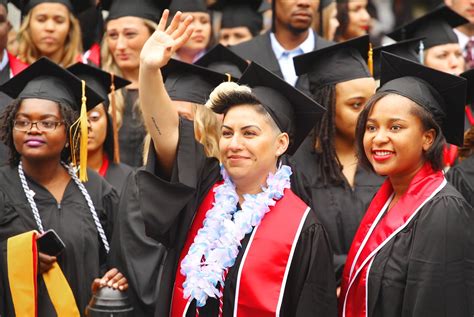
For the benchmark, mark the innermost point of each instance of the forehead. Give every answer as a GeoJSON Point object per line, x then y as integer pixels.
{"type": "Point", "coordinates": [125, 22]}
{"type": "Point", "coordinates": [50, 8]}
{"type": "Point", "coordinates": [392, 105]}
{"type": "Point", "coordinates": [33, 106]}
{"type": "Point", "coordinates": [244, 115]}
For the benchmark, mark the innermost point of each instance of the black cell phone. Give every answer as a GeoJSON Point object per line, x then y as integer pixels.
{"type": "Point", "coordinates": [50, 243]}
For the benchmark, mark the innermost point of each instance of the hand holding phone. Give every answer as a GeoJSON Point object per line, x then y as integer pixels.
{"type": "Point", "coordinates": [50, 243]}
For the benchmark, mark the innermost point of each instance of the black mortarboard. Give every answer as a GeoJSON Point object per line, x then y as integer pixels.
{"type": "Point", "coordinates": [101, 82]}
{"type": "Point", "coordinates": [146, 9]}
{"type": "Point", "coordinates": [336, 63]}
{"type": "Point", "coordinates": [238, 13]}
{"type": "Point", "coordinates": [408, 49]}
{"type": "Point", "coordinates": [189, 82]}
{"type": "Point", "coordinates": [224, 61]}
{"type": "Point", "coordinates": [436, 26]}
{"type": "Point", "coordinates": [440, 93]}
{"type": "Point", "coordinates": [292, 111]}
{"type": "Point", "coordinates": [98, 79]}
{"type": "Point", "coordinates": [469, 75]}
{"type": "Point", "coordinates": [75, 6]}
{"type": "Point", "coordinates": [188, 6]}
{"type": "Point", "coordinates": [44, 79]}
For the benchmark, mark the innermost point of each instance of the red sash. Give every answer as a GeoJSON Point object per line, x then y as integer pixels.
{"type": "Point", "coordinates": [265, 263]}
{"type": "Point", "coordinates": [376, 229]}
{"type": "Point", "coordinates": [105, 165]}
{"type": "Point", "coordinates": [469, 115]}
{"type": "Point", "coordinates": [16, 65]}
{"type": "Point", "coordinates": [450, 153]}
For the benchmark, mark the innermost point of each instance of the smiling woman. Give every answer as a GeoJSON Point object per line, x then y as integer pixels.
{"type": "Point", "coordinates": [413, 252]}
{"type": "Point", "coordinates": [50, 29]}
{"type": "Point", "coordinates": [354, 20]}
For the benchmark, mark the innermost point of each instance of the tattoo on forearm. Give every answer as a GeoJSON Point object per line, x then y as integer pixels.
{"type": "Point", "coordinates": [156, 125]}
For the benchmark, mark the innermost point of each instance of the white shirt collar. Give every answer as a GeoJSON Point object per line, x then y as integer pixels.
{"type": "Point", "coordinates": [462, 38]}
{"type": "Point", "coordinates": [4, 61]}
{"type": "Point", "coordinates": [305, 47]}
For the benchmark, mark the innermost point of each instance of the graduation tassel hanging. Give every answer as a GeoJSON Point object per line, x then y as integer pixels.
{"type": "Point", "coordinates": [370, 60]}
{"type": "Point", "coordinates": [78, 135]}
{"type": "Point", "coordinates": [114, 119]}
{"type": "Point", "coordinates": [421, 53]}
{"type": "Point", "coordinates": [229, 77]}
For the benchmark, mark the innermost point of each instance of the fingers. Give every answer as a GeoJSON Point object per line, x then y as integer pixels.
{"type": "Point", "coordinates": [113, 278]}
{"type": "Point", "coordinates": [95, 285]}
{"type": "Point", "coordinates": [45, 262]}
{"type": "Point", "coordinates": [182, 28]}
{"type": "Point", "coordinates": [163, 20]}
{"type": "Point", "coordinates": [183, 38]}
{"type": "Point", "coordinates": [174, 23]}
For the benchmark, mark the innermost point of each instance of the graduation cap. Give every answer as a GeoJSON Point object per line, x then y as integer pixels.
{"type": "Point", "coordinates": [189, 82]}
{"type": "Point", "coordinates": [103, 83]}
{"type": "Point", "coordinates": [75, 6]}
{"type": "Point", "coordinates": [336, 63]}
{"type": "Point", "coordinates": [224, 61]}
{"type": "Point", "coordinates": [240, 13]}
{"type": "Point", "coordinates": [44, 79]}
{"type": "Point", "coordinates": [292, 111]}
{"type": "Point", "coordinates": [188, 6]}
{"type": "Point", "coordinates": [469, 75]}
{"type": "Point", "coordinates": [440, 93]}
{"type": "Point", "coordinates": [436, 26]}
{"type": "Point", "coordinates": [146, 9]}
{"type": "Point", "coordinates": [408, 49]}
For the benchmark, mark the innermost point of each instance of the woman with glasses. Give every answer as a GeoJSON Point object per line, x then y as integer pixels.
{"type": "Point", "coordinates": [40, 190]}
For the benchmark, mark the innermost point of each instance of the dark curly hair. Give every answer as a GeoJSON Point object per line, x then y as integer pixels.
{"type": "Point", "coordinates": [434, 155]}
{"type": "Point", "coordinates": [6, 128]}
{"type": "Point", "coordinates": [324, 134]}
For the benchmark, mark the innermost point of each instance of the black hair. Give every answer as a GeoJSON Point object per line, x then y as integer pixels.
{"type": "Point", "coordinates": [324, 134]}
{"type": "Point", "coordinates": [343, 18]}
{"type": "Point", "coordinates": [434, 155]}
{"type": "Point", "coordinates": [6, 129]}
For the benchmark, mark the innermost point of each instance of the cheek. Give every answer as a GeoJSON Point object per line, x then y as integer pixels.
{"type": "Point", "coordinates": [111, 44]}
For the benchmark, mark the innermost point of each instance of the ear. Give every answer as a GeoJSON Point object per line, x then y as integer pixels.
{"type": "Point", "coordinates": [282, 142]}
{"type": "Point", "coordinates": [428, 139]}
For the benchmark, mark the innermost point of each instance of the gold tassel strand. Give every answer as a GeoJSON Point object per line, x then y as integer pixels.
{"type": "Point", "coordinates": [114, 120]}
{"type": "Point", "coordinates": [370, 60]}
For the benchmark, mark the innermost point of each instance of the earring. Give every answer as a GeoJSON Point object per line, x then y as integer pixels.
{"type": "Point", "coordinates": [67, 145]}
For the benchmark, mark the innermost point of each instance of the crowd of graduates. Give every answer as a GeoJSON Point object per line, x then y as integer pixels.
{"type": "Point", "coordinates": [237, 157]}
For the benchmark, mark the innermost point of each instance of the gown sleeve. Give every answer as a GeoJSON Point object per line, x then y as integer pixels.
{"type": "Point", "coordinates": [193, 174]}
{"type": "Point", "coordinates": [311, 287]}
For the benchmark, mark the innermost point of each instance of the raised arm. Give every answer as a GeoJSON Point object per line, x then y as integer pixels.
{"type": "Point", "coordinates": [160, 116]}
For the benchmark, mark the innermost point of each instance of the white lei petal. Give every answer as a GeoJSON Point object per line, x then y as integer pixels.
{"type": "Point", "coordinates": [218, 241]}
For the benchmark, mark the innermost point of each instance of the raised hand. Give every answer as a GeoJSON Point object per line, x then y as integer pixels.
{"type": "Point", "coordinates": [162, 44]}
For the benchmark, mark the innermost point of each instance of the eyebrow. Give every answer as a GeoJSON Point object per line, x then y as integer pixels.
{"type": "Point", "coordinates": [44, 116]}
{"type": "Point", "coordinates": [243, 128]}
{"type": "Point", "coordinates": [390, 120]}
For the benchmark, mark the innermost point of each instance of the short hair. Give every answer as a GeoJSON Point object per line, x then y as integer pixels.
{"type": "Point", "coordinates": [7, 116]}
{"type": "Point", "coordinates": [229, 94]}
{"type": "Point", "coordinates": [434, 155]}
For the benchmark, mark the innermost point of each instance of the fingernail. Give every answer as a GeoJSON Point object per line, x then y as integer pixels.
{"type": "Point", "coordinates": [115, 285]}
{"type": "Point", "coordinates": [109, 283]}
{"type": "Point", "coordinates": [121, 287]}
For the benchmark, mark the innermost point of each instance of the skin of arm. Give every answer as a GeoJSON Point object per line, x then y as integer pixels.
{"type": "Point", "coordinates": [160, 116]}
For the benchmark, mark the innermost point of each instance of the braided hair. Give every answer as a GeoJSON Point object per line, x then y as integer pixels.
{"type": "Point", "coordinates": [324, 134]}
{"type": "Point", "coordinates": [6, 129]}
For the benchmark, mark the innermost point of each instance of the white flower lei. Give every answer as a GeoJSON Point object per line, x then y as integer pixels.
{"type": "Point", "coordinates": [218, 241]}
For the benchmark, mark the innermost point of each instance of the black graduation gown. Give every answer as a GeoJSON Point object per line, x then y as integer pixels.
{"type": "Point", "coordinates": [84, 258]}
{"type": "Point", "coordinates": [117, 174]}
{"type": "Point", "coordinates": [427, 269]}
{"type": "Point", "coordinates": [461, 176]}
{"type": "Point", "coordinates": [4, 102]}
{"type": "Point", "coordinates": [339, 207]}
{"type": "Point", "coordinates": [132, 132]}
{"type": "Point", "coordinates": [259, 49]}
{"type": "Point", "coordinates": [168, 209]}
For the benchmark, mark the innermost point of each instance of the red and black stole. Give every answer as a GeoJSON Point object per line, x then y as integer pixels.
{"type": "Point", "coordinates": [265, 263]}
{"type": "Point", "coordinates": [376, 229]}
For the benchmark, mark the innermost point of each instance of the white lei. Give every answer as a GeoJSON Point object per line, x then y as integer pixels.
{"type": "Point", "coordinates": [217, 243]}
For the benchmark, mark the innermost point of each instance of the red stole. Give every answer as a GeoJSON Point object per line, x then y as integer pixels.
{"type": "Point", "coordinates": [265, 263]}
{"type": "Point", "coordinates": [469, 115]}
{"type": "Point", "coordinates": [450, 154]}
{"type": "Point", "coordinates": [376, 229]}
{"type": "Point", "coordinates": [105, 165]}
{"type": "Point", "coordinates": [16, 65]}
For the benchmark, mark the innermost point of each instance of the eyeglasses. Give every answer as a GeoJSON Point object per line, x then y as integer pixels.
{"type": "Point", "coordinates": [43, 125]}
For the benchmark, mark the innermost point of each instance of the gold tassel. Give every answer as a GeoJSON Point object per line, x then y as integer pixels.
{"type": "Point", "coordinates": [229, 77]}
{"type": "Point", "coordinates": [78, 135]}
{"type": "Point", "coordinates": [370, 60]}
{"type": "Point", "coordinates": [114, 120]}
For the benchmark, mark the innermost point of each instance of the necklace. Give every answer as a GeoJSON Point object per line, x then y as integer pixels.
{"type": "Point", "coordinates": [217, 243]}
{"type": "Point", "coordinates": [34, 208]}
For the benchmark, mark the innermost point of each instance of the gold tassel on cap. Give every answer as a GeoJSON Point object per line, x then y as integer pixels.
{"type": "Point", "coordinates": [370, 60]}
{"type": "Point", "coordinates": [78, 135]}
{"type": "Point", "coordinates": [114, 120]}
{"type": "Point", "coordinates": [229, 77]}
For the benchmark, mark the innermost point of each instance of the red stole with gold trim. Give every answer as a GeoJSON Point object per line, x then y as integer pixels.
{"type": "Point", "coordinates": [376, 229]}
{"type": "Point", "coordinates": [266, 260]}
